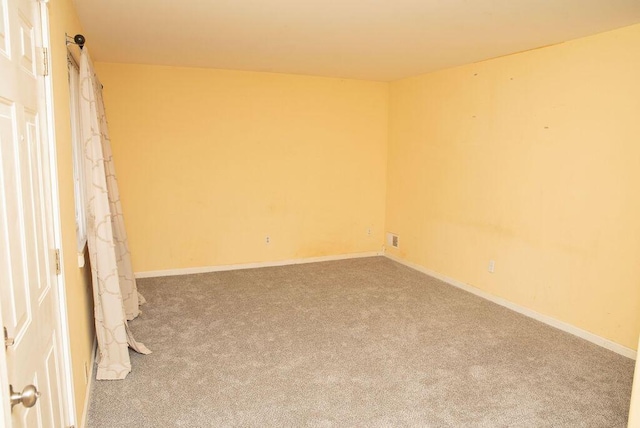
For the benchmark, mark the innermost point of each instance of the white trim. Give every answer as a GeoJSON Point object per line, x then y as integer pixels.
{"type": "Point", "coordinates": [221, 268]}
{"type": "Point", "coordinates": [634, 406]}
{"type": "Point", "coordinates": [5, 410]}
{"type": "Point", "coordinates": [561, 325]}
{"type": "Point", "coordinates": [78, 159]}
{"type": "Point", "coordinates": [87, 394]}
{"type": "Point", "coordinates": [67, 368]}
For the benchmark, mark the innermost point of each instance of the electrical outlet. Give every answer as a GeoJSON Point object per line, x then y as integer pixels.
{"type": "Point", "coordinates": [267, 240]}
{"type": "Point", "coordinates": [369, 232]}
{"type": "Point", "coordinates": [492, 266]}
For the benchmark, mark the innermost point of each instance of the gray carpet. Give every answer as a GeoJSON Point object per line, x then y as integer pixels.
{"type": "Point", "coordinates": [363, 342]}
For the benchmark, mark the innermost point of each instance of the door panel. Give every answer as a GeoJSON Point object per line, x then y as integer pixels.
{"type": "Point", "coordinates": [27, 49]}
{"type": "Point", "coordinates": [34, 202]}
{"type": "Point", "coordinates": [4, 44]}
{"type": "Point", "coordinates": [16, 310]}
{"type": "Point", "coordinates": [49, 386]}
{"type": "Point", "coordinates": [27, 269]}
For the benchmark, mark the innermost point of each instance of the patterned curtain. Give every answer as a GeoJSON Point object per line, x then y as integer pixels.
{"type": "Point", "coordinates": [116, 298]}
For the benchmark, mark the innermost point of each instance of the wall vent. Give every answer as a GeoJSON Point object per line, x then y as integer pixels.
{"type": "Point", "coordinates": [393, 240]}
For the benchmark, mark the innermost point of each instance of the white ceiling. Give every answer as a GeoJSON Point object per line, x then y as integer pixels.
{"type": "Point", "coordinates": [363, 39]}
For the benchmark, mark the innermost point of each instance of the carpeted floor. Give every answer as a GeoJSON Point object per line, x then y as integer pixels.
{"type": "Point", "coordinates": [362, 342]}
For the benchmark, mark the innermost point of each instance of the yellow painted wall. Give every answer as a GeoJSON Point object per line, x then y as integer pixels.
{"type": "Point", "coordinates": [531, 160]}
{"type": "Point", "coordinates": [211, 162]}
{"type": "Point", "coordinates": [63, 19]}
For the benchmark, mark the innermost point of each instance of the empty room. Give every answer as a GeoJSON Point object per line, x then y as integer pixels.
{"type": "Point", "coordinates": [324, 214]}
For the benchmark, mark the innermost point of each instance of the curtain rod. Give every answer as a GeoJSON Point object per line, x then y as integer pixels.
{"type": "Point", "coordinates": [78, 39]}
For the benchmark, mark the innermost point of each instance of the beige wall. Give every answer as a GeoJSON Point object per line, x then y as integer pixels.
{"type": "Point", "coordinates": [211, 162]}
{"type": "Point", "coordinates": [77, 281]}
{"type": "Point", "coordinates": [531, 160]}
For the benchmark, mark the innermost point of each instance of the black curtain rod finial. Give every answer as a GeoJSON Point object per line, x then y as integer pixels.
{"type": "Point", "coordinates": [78, 39]}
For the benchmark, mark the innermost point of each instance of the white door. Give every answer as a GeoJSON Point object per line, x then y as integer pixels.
{"type": "Point", "coordinates": [28, 283]}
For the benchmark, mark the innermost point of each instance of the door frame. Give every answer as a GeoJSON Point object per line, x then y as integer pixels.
{"type": "Point", "coordinates": [60, 311]}
{"type": "Point", "coordinates": [66, 369]}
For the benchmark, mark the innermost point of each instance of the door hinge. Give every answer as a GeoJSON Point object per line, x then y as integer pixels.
{"type": "Point", "coordinates": [43, 68]}
{"type": "Point", "coordinates": [45, 58]}
{"type": "Point", "coordinates": [58, 262]}
{"type": "Point", "coordinates": [8, 341]}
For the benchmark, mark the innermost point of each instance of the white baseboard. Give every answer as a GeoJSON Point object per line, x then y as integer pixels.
{"type": "Point", "coordinates": [221, 268]}
{"type": "Point", "coordinates": [87, 394]}
{"type": "Point", "coordinates": [568, 328]}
